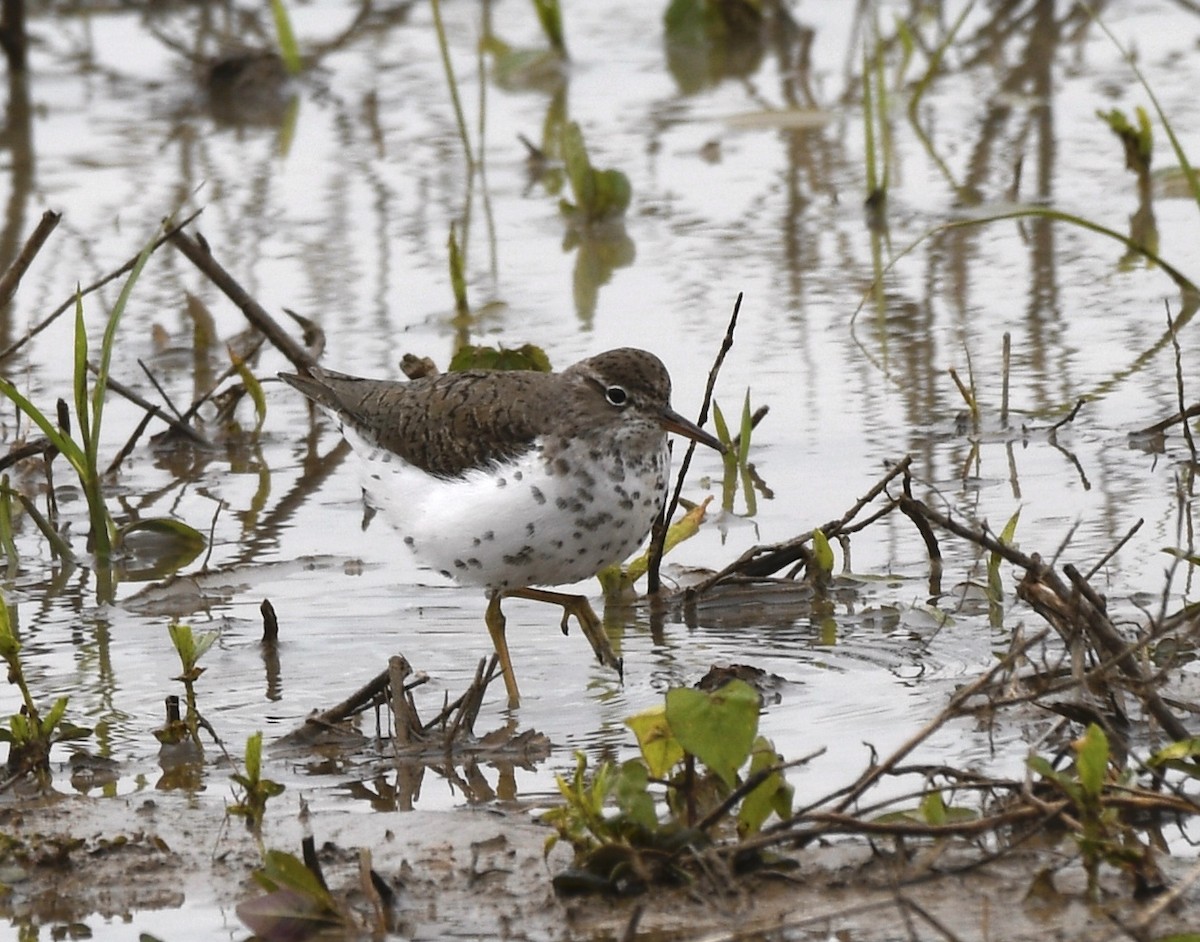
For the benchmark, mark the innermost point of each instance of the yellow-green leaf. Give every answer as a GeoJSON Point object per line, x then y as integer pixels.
{"type": "Point", "coordinates": [660, 749]}
{"type": "Point", "coordinates": [822, 553]}
{"type": "Point", "coordinates": [1092, 759]}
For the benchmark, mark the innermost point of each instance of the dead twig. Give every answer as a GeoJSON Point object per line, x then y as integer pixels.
{"type": "Point", "coordinates": [1162, 425]}
{"type": "Point", "coordinates": [951, 709]}
{"type": "Point", "coordinates": [1187, 429]}
{"type": "Point", "coordinates": [1069, 417]}
{"type": "Point", "coordinates": [762, 560]}
{"type": "Point", "coordinates": [403, 714]}
{"type": "Point", "coordinates": [94, 286]}
{"type": "Point", "coordinates": [1066, 608]}
{"type": "Point", "coordinates": [658, 533]}
{"type": "Point", "coordinates": [38, 447]}
{"type": "Point", "coordinates": [1141, 922]}
{"type": "Point", "coordinates": [11, 279]}
{"type": "Point", "coordinates": [199, 255]}
{"type": "Point", "coordinates": [1116, 549]}
{"type": "Point", "coordinates": [157, 412]}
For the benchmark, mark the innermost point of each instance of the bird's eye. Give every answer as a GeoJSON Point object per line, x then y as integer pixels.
{"type": "Point", "coordinates": [616, 395]}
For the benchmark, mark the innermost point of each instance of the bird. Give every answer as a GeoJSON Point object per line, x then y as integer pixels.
{"type": "Point", "coordinates": [515, 480]}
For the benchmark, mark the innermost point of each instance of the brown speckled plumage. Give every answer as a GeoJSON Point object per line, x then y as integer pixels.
{"type": "Point", "coordinates": [455, 422]}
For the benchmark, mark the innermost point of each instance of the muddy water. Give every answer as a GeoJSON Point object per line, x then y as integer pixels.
{"type": "Point", "coordinates": [334, 196]}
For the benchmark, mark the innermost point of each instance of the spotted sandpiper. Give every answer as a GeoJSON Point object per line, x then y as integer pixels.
{"type": "Point", "coordinates": [513, 480]}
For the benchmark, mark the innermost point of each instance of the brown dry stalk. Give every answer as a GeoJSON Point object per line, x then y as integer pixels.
{"type": "Point", "coordinates": [199, 255]}
{"type": "Point", "coordinates": [760, 561]}
{"type": "Point", "coordinates": [658, 533]}
{"type": "Point", "coordinates": [12, 277]}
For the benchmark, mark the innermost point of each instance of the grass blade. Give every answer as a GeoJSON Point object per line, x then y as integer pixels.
{"type": "Point", "coordinates": [57, 544]}
{"type": "Point", "coordinates": [63, 442]}
{"type": "Point", "coordinates": [80, 378]}
{"type": "Point", "coordinates": [110, 335]}
{"type": "Point", "coordinates": [289, 51]}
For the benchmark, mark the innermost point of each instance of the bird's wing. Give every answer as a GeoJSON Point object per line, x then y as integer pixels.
{"type": "Point", "coordinates": [446, 424]}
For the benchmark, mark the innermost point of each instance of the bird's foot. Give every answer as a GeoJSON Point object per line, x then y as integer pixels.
{"type": "Point", "coordinates": [589, 622]}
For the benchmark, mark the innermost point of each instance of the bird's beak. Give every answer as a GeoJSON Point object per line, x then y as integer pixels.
{"type": "Point", "coordinates": [673, 422]}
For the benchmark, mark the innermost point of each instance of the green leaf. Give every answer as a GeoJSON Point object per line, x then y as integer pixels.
{"type": "Point", "coordinates": [1190, 558]}
{"type": "Point", "coordinates": [183, 642]}
{"type": "Point", "coordinates": [717, 728]}
{"type": "Point", "coordinates": [686, 527]}
{"type": "Point", "coordinates": [822, 553]}
{"type": "Point", "coordinates": [729, 480]}
{"type": "Point", "coordinates": [660, 748]}
{"type": "Point", "coordinates": [254, 756]}
{"type": "Point", "coordinates": [22, 732]}
{"type": "Point", "coordinates": [633, 797]}
{"type": "Point", "coordinates": [549, 15]}
{"type": "Point", "coordinates": [721, 429]}
{"type": "Point", "coordinates": [746, 430]}
{"type": "Point", "coordinates": [63, 442]}
{"type": "Point", "coordinates": [8, 543]}
{"type": "Point", "coordinates": [774, 794]}
{"type": "Point", "coordinates": [52, 718]}
{"type": "Point", "coordinates": [933, 808]}
{"type": "Point", "coordinates": [190, 647]}
{"type": "Point", "coordinates": [1175, 752]}
{"type": "Point", "coordinates": [1092, 760]}
{"type": "Point", "coordinates": [109, 341]}
{"type": "Point", "coordinates": [9, 645]}
{"type": "Point", "coordinates": [69, 731]}
{"type": "Point", "coordinates": [282, 870]}
{"type": "Point", "coordinates": [578, 167]}
{"type": "Point", "coordinates": [182, 534]}
{"type": "Point", "coordinates": [1010, 528]}
{"type": "Point", "coordinates": [205, 641]}
{"type": "Point", "coordinates": [1042, 767]}
{"type": "Point", "coordinates": [89, 431]}
{"type": "Point", "coordinates": [1138, 141]}
{"type": "Point", "coordinates": [474, 357]}
{"type": "Point", "coordinates": [995, 583]}
{"type": "Point", "coordinates": [80, 375]}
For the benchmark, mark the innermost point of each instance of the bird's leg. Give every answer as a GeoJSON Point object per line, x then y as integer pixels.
{"type": "Point", "coordinates": [578, 606]}
{"type": "Point", "coordinates": [495, 625]}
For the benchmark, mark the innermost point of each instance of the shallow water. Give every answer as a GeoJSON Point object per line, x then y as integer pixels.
{"type": "Point", "coordinates": [339, 207]}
